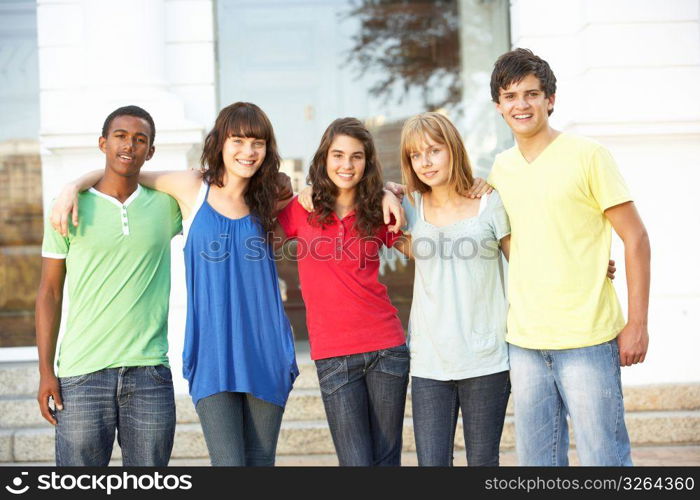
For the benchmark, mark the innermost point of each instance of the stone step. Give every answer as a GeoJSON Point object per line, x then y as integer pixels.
{"type": "Point", "coordinates": [305, 404]}
{"type": "Point", "coordinates": [313, 437]}
{"type": "Point", "coordinates": [19, 379]}
{"type": "Point", "coordinates": [22, 378]}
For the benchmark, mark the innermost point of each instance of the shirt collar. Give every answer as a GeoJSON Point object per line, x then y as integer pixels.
{"type": "Point", "coordinates": [118, 203]}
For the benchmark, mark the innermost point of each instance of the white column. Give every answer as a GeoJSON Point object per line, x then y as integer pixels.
{"type": "Point", "coordinates": [114, 56]}
{"type": "Point", "coordinates": [98, 55]}
{"type": "Point", "coordinates": [483, 37]}
{"type": "Point", "coordinates": [626, 75]}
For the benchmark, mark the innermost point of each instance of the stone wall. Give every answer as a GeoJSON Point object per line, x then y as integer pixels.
{"type": "Point", "coordinates": [21, 229]}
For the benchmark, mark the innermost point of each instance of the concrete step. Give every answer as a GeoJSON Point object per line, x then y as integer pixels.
{"type": "Point", "coordinates": [656, 415]}
{"type": "Point", "coordinates": [311, 437]}
{"type": "Point", "coordinates": [17, 411]}
{"type": "Point", "coordinates": [22, 378]}
{"type": "Point", "coordinates": [19, 379]}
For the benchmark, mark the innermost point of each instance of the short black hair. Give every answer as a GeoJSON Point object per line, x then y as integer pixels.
{"type": "Point", "coordinates": [515, 65]}
{"type": "Point", "coordinates": [130, 110]}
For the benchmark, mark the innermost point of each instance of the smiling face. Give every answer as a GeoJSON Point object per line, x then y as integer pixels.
{"type": "Point", "coordinates": [345, 162]}
{"type": "Point", "coordinates": [525, 107]}
{"type": "Point", "coordinates": [431, 162]}
{"type": "Point", "coordinates": [127, 145]}
{"type": "Point", "coordinates": [243, 155]}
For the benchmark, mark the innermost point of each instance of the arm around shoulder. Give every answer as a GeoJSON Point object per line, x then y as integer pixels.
{"type": "Point", "coordinates": [65, 207]}
{"type": "Point", "coordinates": [183, 185]}
{"type": "Point", "coordinates": [176, 183]}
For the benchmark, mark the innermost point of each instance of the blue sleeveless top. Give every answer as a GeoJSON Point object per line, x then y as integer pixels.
{"type": "Point", "coordinates": [237, 337]}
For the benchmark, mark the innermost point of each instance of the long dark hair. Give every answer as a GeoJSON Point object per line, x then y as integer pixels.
{"type": "Point", "coordinates": [368, 193]}
{"type": "Point", "coordinates": [243, 119]}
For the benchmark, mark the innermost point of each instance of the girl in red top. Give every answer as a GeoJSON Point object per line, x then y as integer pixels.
{"type": "Point", "coordinates": [356, 337]}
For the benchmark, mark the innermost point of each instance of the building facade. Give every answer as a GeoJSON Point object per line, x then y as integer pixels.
{"type": "Point", "coordinates": [625, 70]}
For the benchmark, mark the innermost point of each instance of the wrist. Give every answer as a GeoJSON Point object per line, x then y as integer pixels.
{"type": "Point", "coordinates": [638, 322]}
{"type": "Point", "coordinates": [46, 369]}
{"type": "Point", "coordinates": [388, 191]}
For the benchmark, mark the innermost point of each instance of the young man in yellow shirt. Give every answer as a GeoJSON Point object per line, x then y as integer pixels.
{"type": "Point", "coordinates": [566, 332]}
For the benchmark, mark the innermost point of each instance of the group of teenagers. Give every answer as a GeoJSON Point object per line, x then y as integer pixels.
{"type": "Point", "coordinates": [555, 341]}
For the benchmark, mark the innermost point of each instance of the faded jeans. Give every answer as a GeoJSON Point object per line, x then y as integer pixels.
{"type": "Point", "coordinates": [583, 383]}
{"type": "Point", "coordinates": [436, 405]}
{"type": "Point", "coordinates": [240, 429]}
{"type": "Point", "coordinates": [135, 402]}
{"type": "Point", "coordinates": [365, 396]}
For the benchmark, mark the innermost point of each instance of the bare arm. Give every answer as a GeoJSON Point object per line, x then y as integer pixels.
{"type": "Point", "coordinates": [391, 205]}
{"type": "Point", "coordinates": [285, 193]}
{"type": "Point", "coordinates": [398, 190]}
{"type": "Point", "coordinates": [281, 204]}
{"type": "Point", "coordinates": [505, 246]}
{"type": "Point", "coordinates": [66, 204]}
{"type": "Point", "coordinates": [279, 237]}
{"type": "Point", "coordinates": [403, 245]}
{"type": "Point", "coordinates": [183, 185]}
{"type": "Point", "coordinates": [633, 340]}
{"type": "Point", "coordinates": [479, 188]}
{"type": "Point", "coordinates": [49, 300]}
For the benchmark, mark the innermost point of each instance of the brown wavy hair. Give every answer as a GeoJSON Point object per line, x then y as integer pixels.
{"type": "Point", "coordinates": [244, 119]}
{"type": "Point", "coordinates": [368, 192]}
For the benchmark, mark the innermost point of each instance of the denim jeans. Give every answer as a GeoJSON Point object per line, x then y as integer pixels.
{"type": "Point", "coordinates": [240, 429]}
{"type": "Point", "coordinates": [436, 404]}
{"type": "Point", "coordinates": [365, 396]}
{"type": "Point", "coordinates": [583, 383]}
{"type": "Point", "coordinates": [136, 402]}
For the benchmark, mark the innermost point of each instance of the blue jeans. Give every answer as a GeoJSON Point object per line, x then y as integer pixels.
{"type": "Point", "coordinates": [136, 402]}
{"type": "Point", "coordinates": [240, 429]}
{"type": "Point", "coordinates": [436, 404]}
{"type": "Point", "coordinates": [583, 383]}
{"type": "Point", "coordinates": [365, 396]}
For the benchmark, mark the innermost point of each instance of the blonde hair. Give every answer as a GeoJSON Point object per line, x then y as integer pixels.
{"type": "Point", "coordinates": [441, 130]}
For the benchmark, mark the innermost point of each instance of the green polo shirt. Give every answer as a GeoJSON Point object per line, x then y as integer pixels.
{"type": "Point", "coordinates": [118, 276]}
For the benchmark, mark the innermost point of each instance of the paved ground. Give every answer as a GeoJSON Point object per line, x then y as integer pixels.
{"type": "Point", "coordinates": [653, 455]}
{"type": "Point", "coordinates": [641, 455]}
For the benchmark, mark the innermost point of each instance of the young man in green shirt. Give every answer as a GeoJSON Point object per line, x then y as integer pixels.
{"type": "Point", "coordinates": [113, 373]}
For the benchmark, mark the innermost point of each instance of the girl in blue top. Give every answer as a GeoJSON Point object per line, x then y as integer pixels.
{"type": "Point", "coordinates": [239, 352]}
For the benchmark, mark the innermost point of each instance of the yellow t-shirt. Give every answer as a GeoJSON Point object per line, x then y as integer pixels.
{"type": "Point", "coordinates": [560, 296]}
